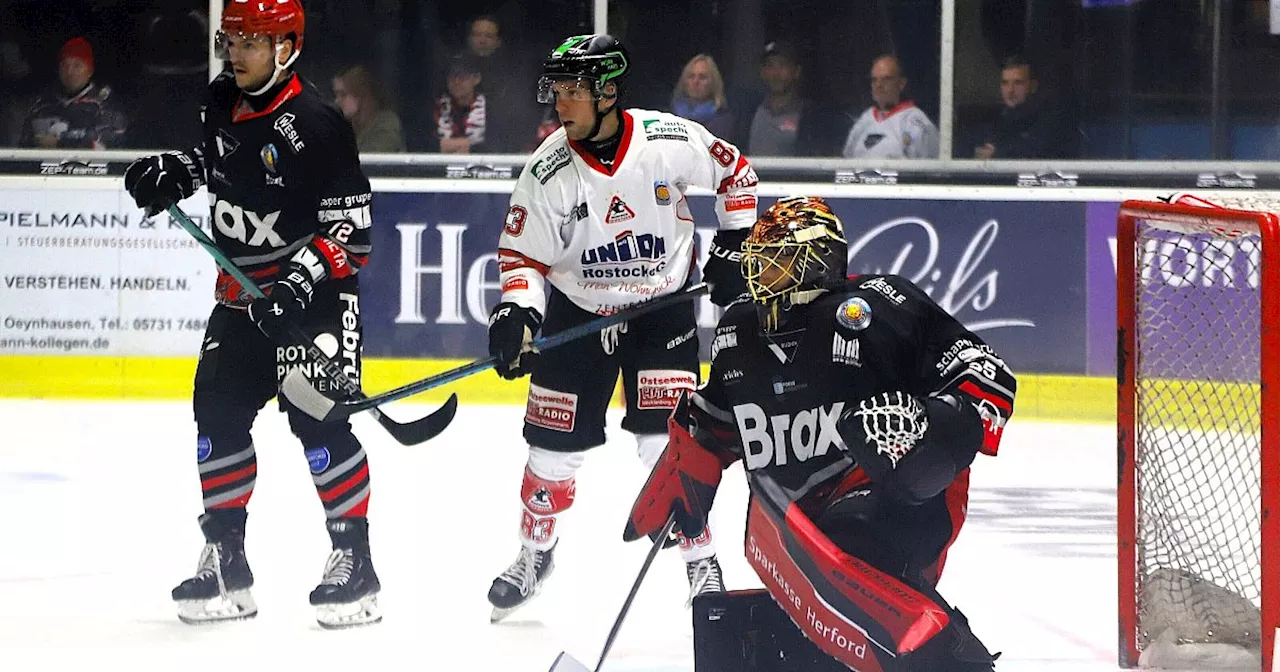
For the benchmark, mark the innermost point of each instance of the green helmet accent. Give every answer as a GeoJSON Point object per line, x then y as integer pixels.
{"type": "Point", "coordinates": [599, 59]}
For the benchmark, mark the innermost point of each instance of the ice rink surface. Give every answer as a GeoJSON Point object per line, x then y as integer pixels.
{"type": "Point", "coordinates": [103, 498]}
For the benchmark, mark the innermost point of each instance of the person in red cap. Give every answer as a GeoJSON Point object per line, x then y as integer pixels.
{"type": "Point", "coordinates": [291, 208]}
{"type": "Point", "coordinates": [79, 113]}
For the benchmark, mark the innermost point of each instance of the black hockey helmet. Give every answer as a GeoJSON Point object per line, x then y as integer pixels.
{"type": "Point", "coordinates": [595, 59]}
{"type": "Point", "coordinates": [794, 253]}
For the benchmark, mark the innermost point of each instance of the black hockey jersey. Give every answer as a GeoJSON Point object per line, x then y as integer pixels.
{"type": "Point", "coordinates": [284, 183]}
{"type": "Point", "coordinates": [774, 399]}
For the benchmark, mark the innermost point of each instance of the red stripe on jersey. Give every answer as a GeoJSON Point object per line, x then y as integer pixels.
{"type": "Point", "coordinates": [732, 182]}
{"type": "Point", "coordinates": [335, 257]}
{"type": "Point", "coordinates": [623, 144]}
{"type": "Point", "coordinates": [993, 418]}
{"type": "Point", "coordinates": [211, 483]}
{"type": "Point", "coordinates": [244, 112]}
{"type": "Point", "coordinates": [338, 490]}
{"type": "Point", "coordinates": [510, 260]}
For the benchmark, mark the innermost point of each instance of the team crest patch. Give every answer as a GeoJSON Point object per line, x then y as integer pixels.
{"type": "Point", "coordinates": [619, 211]}
{"type": "Point", "coordinates": [318, 459]}
{"type": "Point", "coordinates": [854, 313]}
{"type": "Point", "coordinates": [270, 157]}
{"type": "Point", "coordinates": [662, 192]}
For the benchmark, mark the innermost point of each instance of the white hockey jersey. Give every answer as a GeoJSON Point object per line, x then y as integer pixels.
{"type": "Point", "coordinates": [904, 132]}
{"type": "Point", "coordinates": [609, 239]}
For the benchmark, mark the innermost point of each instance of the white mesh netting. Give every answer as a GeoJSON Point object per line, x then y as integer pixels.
{"type": "Point", "coordinates": [1197, 447]}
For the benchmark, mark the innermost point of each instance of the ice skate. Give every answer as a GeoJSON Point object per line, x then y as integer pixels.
{"type": "Point", "coordinates": [348, 594]}
{"type": "Point", "coordinates": [219, 591]}
{"type": "Point", "coordinates": [704, 577]}
{"type": "Point", "coordinates": [521, 582]}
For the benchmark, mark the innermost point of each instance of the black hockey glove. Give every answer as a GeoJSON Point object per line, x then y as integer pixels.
{"type": "Point", "coordinates": [511, 332]}
{"type": "Point", "coordinates": [723, 270]}
{"type": "Point", "coordinates": [157, 182]}
{"type": "Point", "coordinates": [284, 305]}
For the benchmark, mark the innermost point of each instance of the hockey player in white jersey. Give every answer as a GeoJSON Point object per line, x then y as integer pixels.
{"type": "Point", "coordinates": [892, 128]}
{"type": "Point", "coordinates": [599, 222]}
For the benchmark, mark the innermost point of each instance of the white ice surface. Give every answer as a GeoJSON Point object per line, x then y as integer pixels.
{"type": "Point", "coordinates": [101, 502]}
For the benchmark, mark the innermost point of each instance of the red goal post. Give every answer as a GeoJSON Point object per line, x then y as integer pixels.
{"type": "Point", "coordinates": [1198, 432]}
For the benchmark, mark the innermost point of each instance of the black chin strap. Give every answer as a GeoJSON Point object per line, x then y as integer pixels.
{"type": "Point", "coordinates": [595, 128]}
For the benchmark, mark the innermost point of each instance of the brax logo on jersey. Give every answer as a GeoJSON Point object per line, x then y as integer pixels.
{"type": "Point", "coordinates": [231, 220]}
{"type": "Point", "coordinates": [625, 249]}
{"type": "Point", "coordinates": [845, 351]}
{"type": "Point", "coordinates": [619, 211]}
{"type": "Point", "coordinates": [284, 124]}
{"type": "Point", "coordinates": [805, 435]}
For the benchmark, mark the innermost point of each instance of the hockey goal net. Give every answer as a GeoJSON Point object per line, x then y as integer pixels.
{"type": "Point", "coordinates": [1198, 312]}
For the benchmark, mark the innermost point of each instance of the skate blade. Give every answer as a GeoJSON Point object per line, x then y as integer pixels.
{"type": "Point", "coordinates": [349, 614]}
{"type": "Point", "coordinates": [500, 613]}
{"type": "Point", "coordinates": [233, 606]}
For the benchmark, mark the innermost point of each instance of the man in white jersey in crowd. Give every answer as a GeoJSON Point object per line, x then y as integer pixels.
{"type": "Point", "coordinates": [599, 222]}
{"type": "Point", "coordinates": [892, 128]}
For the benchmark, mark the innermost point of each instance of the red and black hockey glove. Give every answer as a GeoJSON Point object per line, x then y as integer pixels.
{"type": "Point", "coordinates": [511, 332]}
{"type": "Point", "coordinates": [284, 303]}
{"type": "Point", "coordinates": [157, 182]}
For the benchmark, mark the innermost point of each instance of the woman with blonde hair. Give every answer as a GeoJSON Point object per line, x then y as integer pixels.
{"type": "Point", "coordinates": [699, 95]}
{"type": "Point", "coordinates": [359, 96]}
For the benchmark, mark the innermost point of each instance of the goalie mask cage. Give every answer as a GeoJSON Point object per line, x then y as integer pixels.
{"type": "Point", "coordinates": [1198, 313]}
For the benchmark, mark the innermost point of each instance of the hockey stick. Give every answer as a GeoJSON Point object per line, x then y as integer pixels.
{"type": "Point", "coordinates": [298, 390]}
{"type": "Point", "coordinates": [409, 434]}
{"type": "Point", "coordinates": [567, 663]}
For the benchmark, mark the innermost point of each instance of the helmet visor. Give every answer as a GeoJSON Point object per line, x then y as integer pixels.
{"type": "Point", "coordinates": [551, 87]}
{"type": "Point", "coordinates": [223, 41]}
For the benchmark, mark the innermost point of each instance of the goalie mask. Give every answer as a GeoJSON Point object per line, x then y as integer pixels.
{"type": "Point", "coordinates": [795, 252]}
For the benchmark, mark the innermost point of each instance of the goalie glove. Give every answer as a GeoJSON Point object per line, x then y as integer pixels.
{"type": "Point", "coordinates": [683, 483]}
{"type": "Point", "coordinates": [913, 448]}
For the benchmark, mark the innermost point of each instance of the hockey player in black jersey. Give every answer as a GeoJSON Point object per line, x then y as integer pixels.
{"type": "Point", "coordinates": [290, 206]}
{"type": "Point", "coordinates": [856, 405]}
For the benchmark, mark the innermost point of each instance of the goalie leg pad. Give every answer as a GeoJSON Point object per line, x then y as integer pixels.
{"type": "Point", "coordinates": [854, 612]}
{"type": "Point", "coordinates": [683, 483]}
{"type": "Point", "coordinates": [746, 631]}
{"type": "Point", "coordinates": [548, 490]}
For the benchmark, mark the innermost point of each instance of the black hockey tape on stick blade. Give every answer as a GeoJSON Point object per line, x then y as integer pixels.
{"type": "Point", "coordinates": [409, 434]}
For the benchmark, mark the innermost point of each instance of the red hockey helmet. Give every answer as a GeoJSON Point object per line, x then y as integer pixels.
{"type": "Point", "coordinates": [275, 18]}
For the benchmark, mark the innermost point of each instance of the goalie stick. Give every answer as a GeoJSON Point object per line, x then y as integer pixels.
{"type": "Point", "coordinates": [299, 391]}
{"type": "Point", "coordinates": [567, 663]}
{"type": "Point", "coordinates": [409, 434]}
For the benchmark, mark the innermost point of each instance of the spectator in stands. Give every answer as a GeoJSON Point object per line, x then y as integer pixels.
{"type": "Point", "coordinates": [360, 97]}
{"type": "Point", "coordinates": [892, 128]}
{"type": "Point", "coordinates": [461, 114]}
{"type": "Point", "coordinates": [507, 84]}
{"type": "Point", "coordinates": [17, 85]}
{"type": "Point", "coordinates": [1031, 125]}
{"type": "Point", "coordinates": [784, 123]}
{"type": "Point", "coordinates": [78, 113]}
{"type": "Point", "coordinates": [699, 95]}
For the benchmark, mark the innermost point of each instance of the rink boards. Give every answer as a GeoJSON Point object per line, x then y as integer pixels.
{"type": "Point", "coordinates": [97, 303]}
